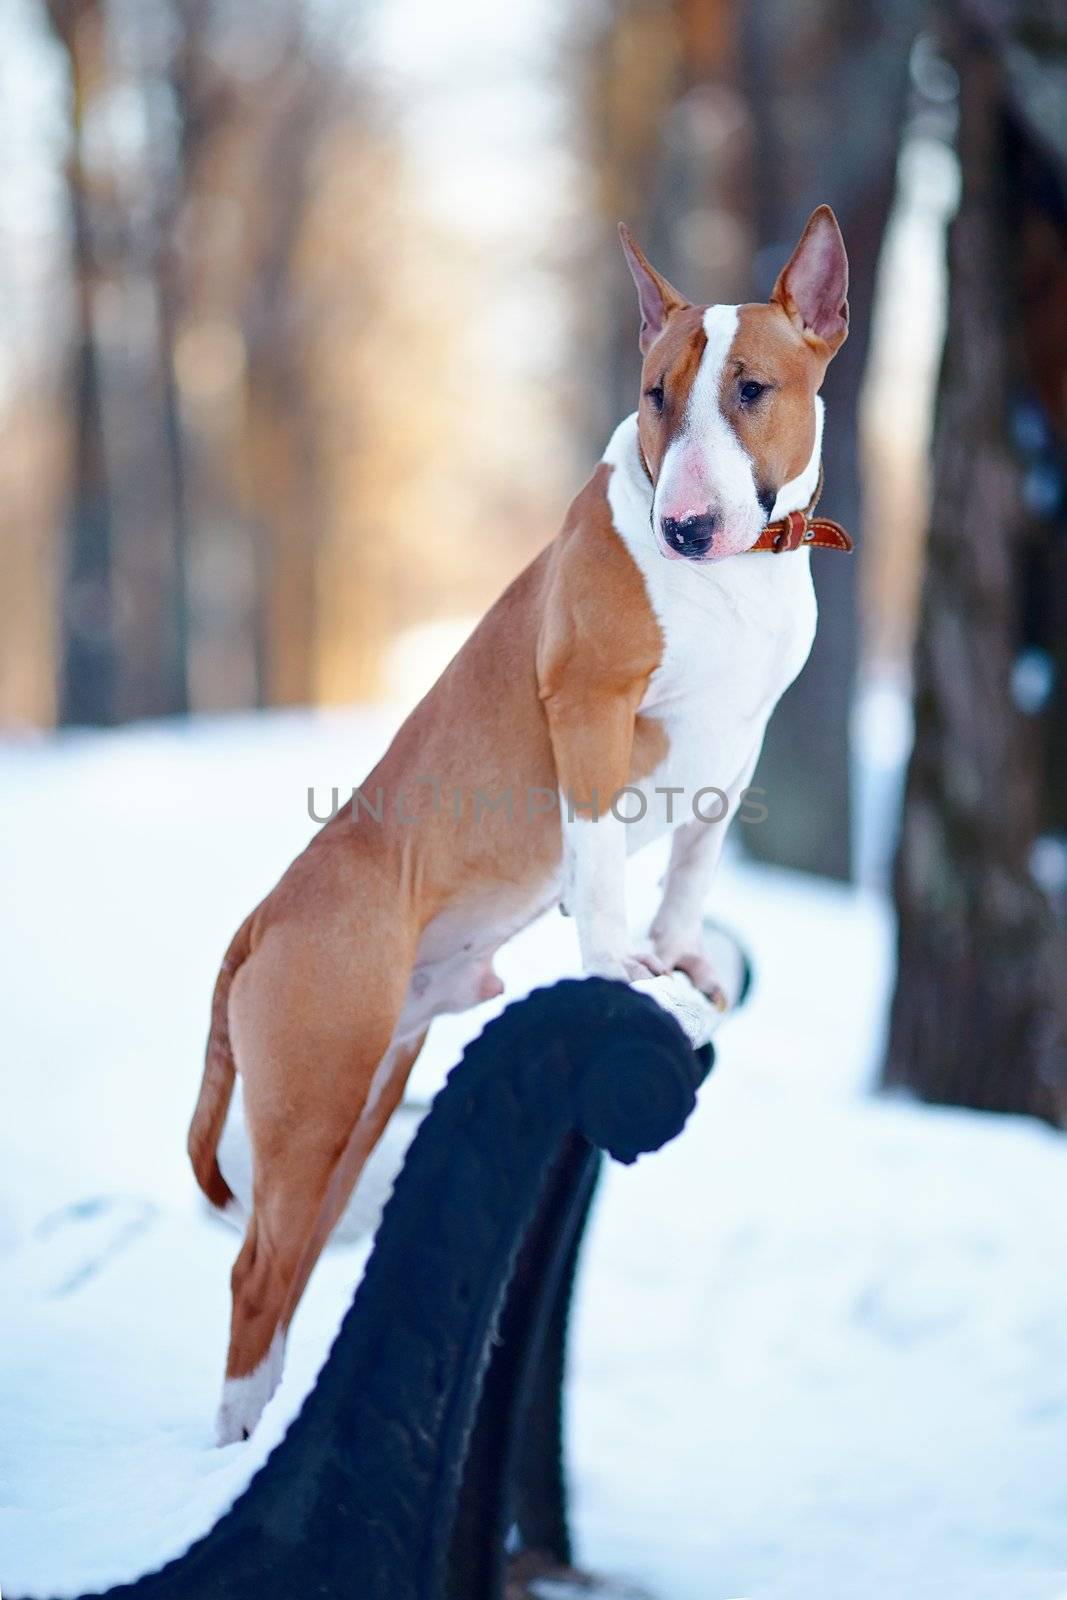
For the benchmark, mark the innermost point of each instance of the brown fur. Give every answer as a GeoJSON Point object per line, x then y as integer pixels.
{"type": "Point", "coordinates": [672, 362]}
{"type": "Point", "coordinates": [778, 432]}
{"type": "Point", "coordinates": [543, 695]}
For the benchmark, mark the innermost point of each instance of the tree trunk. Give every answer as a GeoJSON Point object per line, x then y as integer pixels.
{"type": "Point", "coordinates": [627, 80]}
{"type": "Point", "coordinates": [88, 669]}
{"type": "Point", "coordinates": [827, 83]}
{"type": "Point", "coordinates": [977, 1018]}
{"type": "Point", "coordinates": [667, 141]}
{"type": "Point", "coordinates": [284, 480]}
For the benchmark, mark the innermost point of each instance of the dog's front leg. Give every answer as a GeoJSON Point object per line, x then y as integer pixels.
{"type": "Point", "coordinates": [592, 740]}
{"type": "Point", "coordinates": [676, 933]}
{"type": "Point", "coordinates": [594, 877]}
{"type": "Point", "coordinates": [677, 929]}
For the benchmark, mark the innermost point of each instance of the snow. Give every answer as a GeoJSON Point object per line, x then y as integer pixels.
{"type": "Point", "coordinates": [821, 1341]}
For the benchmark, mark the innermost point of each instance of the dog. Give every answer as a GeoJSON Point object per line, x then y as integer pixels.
{"type": "Point", "coordinates": [628, 671]}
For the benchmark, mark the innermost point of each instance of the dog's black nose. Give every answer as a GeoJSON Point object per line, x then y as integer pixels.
{"type": "Point", "coordinates": [691, 536]}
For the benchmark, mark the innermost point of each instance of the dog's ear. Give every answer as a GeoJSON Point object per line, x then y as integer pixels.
{"type": "Point", "coordinates": [812, 287]}
{"type": "Point", "coordinates": [655, 296]}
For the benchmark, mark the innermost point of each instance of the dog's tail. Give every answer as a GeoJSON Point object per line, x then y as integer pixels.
{"type": "Point", "coordinates": [216, 1087]}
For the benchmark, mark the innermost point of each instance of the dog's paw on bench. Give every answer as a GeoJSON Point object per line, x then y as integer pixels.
{"type": "Point", "coordinates": [697, 1015]}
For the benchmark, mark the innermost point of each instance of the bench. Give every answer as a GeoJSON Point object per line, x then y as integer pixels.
{"type": "Point", "coordinates": [427, 1461]}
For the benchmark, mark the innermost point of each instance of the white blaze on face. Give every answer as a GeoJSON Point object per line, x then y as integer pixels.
{"type": "Point", "coordinates": [705, 471]}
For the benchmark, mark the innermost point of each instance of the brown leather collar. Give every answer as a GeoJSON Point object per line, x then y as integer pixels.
{"type": "Point", "coordinates": [799, 528]}
{"type": "Point", "coordinates": [795, 529]}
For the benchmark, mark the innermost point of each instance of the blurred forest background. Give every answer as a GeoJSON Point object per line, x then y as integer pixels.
{"type": "Point", "coordinates": [312, 319]}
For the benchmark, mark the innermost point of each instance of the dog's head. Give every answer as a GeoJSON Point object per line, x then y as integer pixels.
{"type": "Point", "coordinates": [727, 412]}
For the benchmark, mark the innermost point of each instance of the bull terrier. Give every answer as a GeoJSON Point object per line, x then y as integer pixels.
{"type": "Point", "coordinates": [631, 668]}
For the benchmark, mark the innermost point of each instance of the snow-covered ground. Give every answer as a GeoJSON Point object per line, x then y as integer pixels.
{"type": "Point", "coordinates": [821, 1348]}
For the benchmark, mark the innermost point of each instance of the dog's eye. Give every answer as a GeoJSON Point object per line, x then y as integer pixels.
{"type": "Point", "coordinates": [751, 391]}
{"type": "Point", "coordinates": [655, 394]}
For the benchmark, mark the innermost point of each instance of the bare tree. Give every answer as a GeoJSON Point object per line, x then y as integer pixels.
{"type": "Point", "coordinates": [88, 668]}
{"type": "Point", "coordinates": [827, 83]}
{"type": "Point", "coordinates": [627, 84]}
{"type": "Point", "coordinates": [197, 492]}
{"type": "Point", "coordinates": [979, 1015]}
{"type": "Point", "coordinates": [284, 475]}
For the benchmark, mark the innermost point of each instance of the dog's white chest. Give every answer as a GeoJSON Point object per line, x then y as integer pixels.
{"type": "Point", "coordinates": [735, 637]}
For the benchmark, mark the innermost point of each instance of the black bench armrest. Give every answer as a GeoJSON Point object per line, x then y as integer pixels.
{"type": "Point", "coordinates": [434, 1427]}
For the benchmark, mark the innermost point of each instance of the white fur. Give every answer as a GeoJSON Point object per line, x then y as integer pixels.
{"type": "Point", "coordinates": [594, 887]}
{"type": "Point", "coordinates": [705, 467]}
{"type": "Point", "coordinates": [735, 634]}
{"type": "Point", "coordinates": [244, 1399]}
{"type": "Point", "coordinates": [693, 1012]}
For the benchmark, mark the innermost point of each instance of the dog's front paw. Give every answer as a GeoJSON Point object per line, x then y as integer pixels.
{"type": "Point", "coordinates": [694, 1012]}
{"type": "Point", "coordinates": [688, 955]}
{"type": "Point", "coordinates": [628, 967]}
{"type": "Point", "coordinates": [699, 970]}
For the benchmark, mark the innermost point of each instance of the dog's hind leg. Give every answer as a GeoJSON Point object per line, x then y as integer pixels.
{"type": "Point", "coordinates": [313, 1016]}
{"type": "Point", "coordinates": [386, 1093]}
{"type": "Point", "coordinates": [297, 1201]}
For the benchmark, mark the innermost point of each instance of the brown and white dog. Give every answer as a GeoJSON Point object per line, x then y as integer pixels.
{"type": "Point", "coordinates": [645, 647]}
